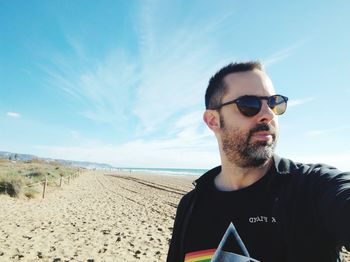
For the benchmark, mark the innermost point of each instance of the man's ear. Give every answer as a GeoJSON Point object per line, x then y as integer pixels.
{"type": "Point", "coordinates": [212, 119]}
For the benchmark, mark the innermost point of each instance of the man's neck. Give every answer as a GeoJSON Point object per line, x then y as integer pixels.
{"type": "Point", "coordinates": [233, 177]}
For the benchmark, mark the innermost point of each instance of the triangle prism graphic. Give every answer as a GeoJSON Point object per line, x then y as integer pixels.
{"type": "Point", "coordinates": [224, 256]}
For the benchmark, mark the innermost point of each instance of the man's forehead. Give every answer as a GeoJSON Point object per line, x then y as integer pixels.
{"type": "Point", "coordinates": [253, 82]}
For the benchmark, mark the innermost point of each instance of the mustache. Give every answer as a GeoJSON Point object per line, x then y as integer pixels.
{"type": "Point", "coordinates": [262, 127]}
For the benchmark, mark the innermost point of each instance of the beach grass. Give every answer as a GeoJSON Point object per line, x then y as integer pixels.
{"type": "Point", "coordinates": [22, 178]}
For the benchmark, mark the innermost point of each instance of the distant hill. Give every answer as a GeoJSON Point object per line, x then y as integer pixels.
{"type": "Point", "coordinates": [15, 156]}
{"type": "Point", "coordinates": [89, 165]}
{"type": "Point", "coordinates": [27, 157]}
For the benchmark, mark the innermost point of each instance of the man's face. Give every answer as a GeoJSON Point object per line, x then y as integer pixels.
{"type": "Point", "coordinates": [248, 141]}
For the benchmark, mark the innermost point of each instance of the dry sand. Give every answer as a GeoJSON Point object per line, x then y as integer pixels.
{"type": "Point", "coordinates": [98, 217]}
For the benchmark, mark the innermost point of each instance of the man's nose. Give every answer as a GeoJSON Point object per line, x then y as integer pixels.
{"type": "Point", "coordinates": [266, 114]}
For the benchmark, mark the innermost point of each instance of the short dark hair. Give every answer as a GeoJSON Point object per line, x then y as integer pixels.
{"type": "Point", "coordinates": [217, 88]}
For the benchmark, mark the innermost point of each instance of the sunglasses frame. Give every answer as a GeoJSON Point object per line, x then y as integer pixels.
{"type": "Point", "coordinates": [259, 98]}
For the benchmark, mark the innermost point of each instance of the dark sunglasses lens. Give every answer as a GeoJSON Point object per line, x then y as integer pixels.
{"type": "Point", "coordinates": [249, 105]}
{"type": "Point", "coordinates": [278, 104]}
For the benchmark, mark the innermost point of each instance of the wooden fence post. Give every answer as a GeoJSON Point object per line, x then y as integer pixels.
{"type": "Point", "coordinates": [68, 179]}
{"type": "Point", "coordinates": [44, 187]}
{"type": "Point", "coordinates": [61, 182]}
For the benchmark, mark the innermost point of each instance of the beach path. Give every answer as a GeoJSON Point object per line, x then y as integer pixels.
{"type": "Point", "coordinates": [97, 217]}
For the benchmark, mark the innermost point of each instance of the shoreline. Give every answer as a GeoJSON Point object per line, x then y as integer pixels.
{"type": "Point", "coordinates": [161, 171]}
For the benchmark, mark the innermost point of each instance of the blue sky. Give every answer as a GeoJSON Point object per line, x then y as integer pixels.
{"type": "Point", "coordinates": [122, 82]}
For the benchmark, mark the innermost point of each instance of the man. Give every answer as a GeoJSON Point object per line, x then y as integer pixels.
{"type": "Point", "coordinates": [257, 206]}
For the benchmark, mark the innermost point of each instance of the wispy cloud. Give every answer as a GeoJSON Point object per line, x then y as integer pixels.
{"type": "Point", "coordinates": [13, 114]}
{"type": "Point", "coordinates": [301, 101]}
{"type": "Point", "coordinates": [329, 130]}
{"type": "Point", "coordinates": [284, 53]}
{"type": "Point", "coordinates": [176, 66]}
{"type": "Point", "coordinates": [161, 90]}
{"type": "Point", "coordinates": [340, 160]}
{"type": "Point", "coordinates": [75, 134]}
{"type": "Point", "coordinates": [104, 89]}
{"type": "Point", "coordinates": [167, 78]}
{"type": "Point", "coordinates": [193, 150]}
{"type": "Point", "coordinates": [194, 118]}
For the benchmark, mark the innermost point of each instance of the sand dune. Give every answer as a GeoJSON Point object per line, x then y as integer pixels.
{"type": "Point", "coordinates": [98, 217]}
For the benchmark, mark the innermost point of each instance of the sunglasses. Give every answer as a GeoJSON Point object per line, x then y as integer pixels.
{"type": "Point", "coordinates": [251, 105]}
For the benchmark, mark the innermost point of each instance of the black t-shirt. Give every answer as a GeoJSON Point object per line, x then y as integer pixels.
{"type": "Point", "coordinates": [255, 232]}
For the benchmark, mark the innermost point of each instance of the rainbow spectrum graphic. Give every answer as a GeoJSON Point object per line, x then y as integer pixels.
{"type": "Point", "coordinates": [200, 256]}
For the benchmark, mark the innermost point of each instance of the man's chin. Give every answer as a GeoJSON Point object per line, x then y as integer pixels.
{"type": "Point", "coordinates": [256, 162]}
{"type": "Point", "coordinates": [259, 155]}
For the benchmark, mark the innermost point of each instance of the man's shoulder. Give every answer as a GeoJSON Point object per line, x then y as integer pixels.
{"type": "Point", "coordinates": [187, 197]}
{"type": "Point", "coordinates": [287, 166]}
{"type": "Point", "coordinates": [308, 171]}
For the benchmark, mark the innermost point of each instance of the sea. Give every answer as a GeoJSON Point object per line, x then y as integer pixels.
{"type": "Point", "coordinates": [165, 171]}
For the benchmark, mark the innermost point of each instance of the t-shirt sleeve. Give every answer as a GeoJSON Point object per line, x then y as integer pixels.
{"type": "Point", "coordinates": [334, 203]}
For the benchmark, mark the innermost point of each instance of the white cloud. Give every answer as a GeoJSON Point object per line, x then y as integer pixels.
{"type": "Point", "coordinates": [194, 118]}
{"type": "Point", "coordinates": [192, 150]}
{"type": "Point", "coordinates": [75, 134]}
{"type": "Point", "coordinates": [283, 54]}
{"type": "Point", "coordinates": [168, 76]}
{"type": "Point", "coordinates": [190, 145]}
{"type": "Point", "coordinates": [104, 89]}
{"type": "Point", "coordinates": [175, 64]}
{"type": "Point", "coordinates": [297, 102]}
{"type": "Point", "coordinates": [340, 160]}
{"type": "Point", "coordinates": [325, 131]}
{"type": "Point", "coordinates": [13, 114]}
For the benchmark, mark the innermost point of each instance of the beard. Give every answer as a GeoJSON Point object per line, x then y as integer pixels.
{"type": "Point", "coordinates": [239, 149]}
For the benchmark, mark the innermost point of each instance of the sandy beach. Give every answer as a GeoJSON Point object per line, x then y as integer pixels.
{"type": "Point", "coordinates": [99, 216]}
